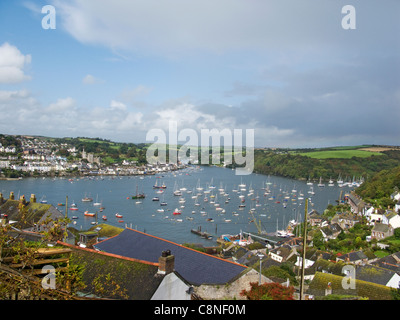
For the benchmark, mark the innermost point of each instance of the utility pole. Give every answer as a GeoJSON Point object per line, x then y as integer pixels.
{"type": "Point", "coordinates": [304, 250]}
{"type": "Point", "coordinates": [66, 216]}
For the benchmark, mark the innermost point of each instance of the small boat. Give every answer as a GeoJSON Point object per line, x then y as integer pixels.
{"type": "Point", "coordinates": [73, 209]}
{"type": "Point", "coordinates": [118, 215]}
{"type": "Point", "coordinates": [177, 211]}
{"type": "Point", "coordinates": [104, 217]}
{"type": "Point", "coordinates": [156, 186]}
{"type": "Point", "coordinates": [89, 214]}
{"type": "Point", "coordinates": [97, 203]}
{"type": "Point", "coordinates": [60, 204]}
{"type": "Point", "coordinates": [138, 195]}
{"type": "Point", "coordinates": [74, 217]}
{"type": "Point", "coordinates": [87, 199]}
{"type": "Point", "coordinates": [156, 199]}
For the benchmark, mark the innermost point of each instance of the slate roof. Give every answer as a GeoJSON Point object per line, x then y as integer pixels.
{"type": "Point", "coordinates": [374, 274]}
{"type": "Point", "coordinates": [353, 256]}
{"type": "Point", "coordinates": [391, 262]}
{"type": "Point", "coordinates": [35, 212]}
{"type": "Point", "coordinates": [195, 267]}
{"type": "Point", "coordinates": [137, 279]}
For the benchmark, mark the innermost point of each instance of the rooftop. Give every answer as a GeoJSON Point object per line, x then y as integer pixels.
{"type": "Point", "coordinates": [194, 266]}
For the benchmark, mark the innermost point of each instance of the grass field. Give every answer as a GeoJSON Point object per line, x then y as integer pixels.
{"type": "Point", "coordinates": [340, 154]}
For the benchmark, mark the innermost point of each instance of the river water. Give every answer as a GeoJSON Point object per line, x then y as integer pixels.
{"type": "Point", "coordinates": [274, 201]}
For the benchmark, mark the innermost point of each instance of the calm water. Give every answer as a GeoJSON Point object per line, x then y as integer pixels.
{"type": "Point", "coordinates": [274, 209]}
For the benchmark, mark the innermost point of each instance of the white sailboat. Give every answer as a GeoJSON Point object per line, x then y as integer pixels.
{"type": "Point", "coordinates": [97, 203]}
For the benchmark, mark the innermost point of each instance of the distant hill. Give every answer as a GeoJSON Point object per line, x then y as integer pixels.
{"type": "Point", "coordinates": [360, 161]}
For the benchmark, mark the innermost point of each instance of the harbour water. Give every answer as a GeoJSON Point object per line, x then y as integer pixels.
{"type": "Point", "coordinates": [213, 199]}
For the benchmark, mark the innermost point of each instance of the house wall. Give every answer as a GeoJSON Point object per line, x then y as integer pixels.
{"type": "Point", "coordinates": [275, 257]}
{"type": "Point", "coordinates": [308, 263]}
{"type": "Point", "coordinates": [394, 281]}
{"type": "Point", "coordinates": [395, 222]}
{"type": "Point", "coordinates": [172, 288]}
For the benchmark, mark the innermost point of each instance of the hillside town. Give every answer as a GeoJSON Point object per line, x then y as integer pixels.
{"type": "Point", "coordinates": [39, 157]}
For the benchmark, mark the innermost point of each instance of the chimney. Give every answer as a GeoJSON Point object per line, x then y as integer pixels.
{"type": "Point", "coordinates": [1, 199]}
{"type": "Point", "coordinates": [22, 199]}
{"type": "Point", "coordinates": [33, 198]}
{"type": "Point", "coordinates": [166, 263]}
{"type": "Point", "coordinates": [11, 195]}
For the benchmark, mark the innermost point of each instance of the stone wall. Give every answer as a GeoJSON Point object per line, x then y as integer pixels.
{"type": "Point", "coordinates": [232, 290]}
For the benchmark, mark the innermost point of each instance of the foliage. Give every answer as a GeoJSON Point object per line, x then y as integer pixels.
{"type": "Point", "coordinates": [282, 272]}
{"type": "Point", "coordinates": [318, 240]}
{"type": "Point", "coordinates": [268, 291]}
{"type": "Point", "coordinates": [107, 287]}
{"type": "Point", "coordinates": [362, 288]}
{"type": "Point", "coordinates": [332, 210]}
{"type": "Point", "coordinates": [294, 165]}
{"type": "Point", "coordinates": [380, 186]}
{"type": "Point", "coordinates": [23, 255]}
{"type": "Point", "coordinates": [110, 152]}
{"type": "Point", "coordinates": [396, 294]}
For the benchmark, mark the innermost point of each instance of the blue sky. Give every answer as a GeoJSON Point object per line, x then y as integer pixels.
{"type": "Point", "coordinates": [287, 69]}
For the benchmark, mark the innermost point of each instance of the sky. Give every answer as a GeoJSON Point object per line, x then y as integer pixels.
{"type": "Point", "coordinates": [290, 70]}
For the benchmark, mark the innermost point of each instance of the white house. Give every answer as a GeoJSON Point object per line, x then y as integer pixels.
{"type": "Point", "coordinates": [173, 287]}
{"type": "Point", "coordinates": [392, 218]}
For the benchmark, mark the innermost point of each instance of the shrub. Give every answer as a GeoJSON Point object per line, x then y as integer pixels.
{"type": "Point", "coordinates": [268, 291]}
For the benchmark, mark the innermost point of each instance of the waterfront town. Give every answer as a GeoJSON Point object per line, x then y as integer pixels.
{"type": "Point", "coordinates": [36, 156]}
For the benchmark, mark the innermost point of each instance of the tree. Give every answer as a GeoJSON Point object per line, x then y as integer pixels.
{"type": "Point", "coordinates": [268, 291]}
{"type": "Point", "coordinates": [20, 261]}
{"type": "Point", "coordinates": [397, 233]}
{"type": "Point", "coordinates": [318, 240]}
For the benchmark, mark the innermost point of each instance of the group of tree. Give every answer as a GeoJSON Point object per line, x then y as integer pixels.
{"type": "Point", "coordinates": [18, 277]}
{"type": "Point", "coordinates": [109, 151]}
{"type": "Point", "coordinates": [379, 187]}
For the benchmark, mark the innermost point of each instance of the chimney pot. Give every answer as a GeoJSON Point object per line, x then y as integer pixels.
{"type": "Point", "coordinates": [166, 263]}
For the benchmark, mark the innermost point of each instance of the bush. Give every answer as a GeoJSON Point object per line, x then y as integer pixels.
{"type": "Point", "coordinates": [268, 291]}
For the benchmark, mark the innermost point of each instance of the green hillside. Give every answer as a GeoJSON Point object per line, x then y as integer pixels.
{"type": "Point", "coordinates": [380, 186]}
{"type": "Point", "coordinates": [326, 163]}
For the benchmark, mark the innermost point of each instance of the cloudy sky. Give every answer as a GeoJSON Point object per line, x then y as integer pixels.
{"type": "Point", "coordinates": [285, 68]}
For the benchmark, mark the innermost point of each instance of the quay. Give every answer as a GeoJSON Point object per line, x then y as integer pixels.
{"type": "Point", "coordinates": [200, 233]}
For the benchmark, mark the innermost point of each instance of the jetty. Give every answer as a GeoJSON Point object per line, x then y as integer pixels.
{"type": "Point", "coordinates": [200, 233]}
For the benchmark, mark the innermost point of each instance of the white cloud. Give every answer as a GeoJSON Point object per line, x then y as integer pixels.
{"type": "Point", "coordinates": [61, 105]}
{"type": "Point", "coordinates": [116, 105]}
{"type": "Point", "coordinates": [12, 63]}
{"type": "Point", "coordinates": [89, 79]}
{"type": "Point", "coordinates": [176, 27]}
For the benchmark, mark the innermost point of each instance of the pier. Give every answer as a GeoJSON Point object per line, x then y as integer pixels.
{"type": "Point", "coordinates": [200, 233]}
